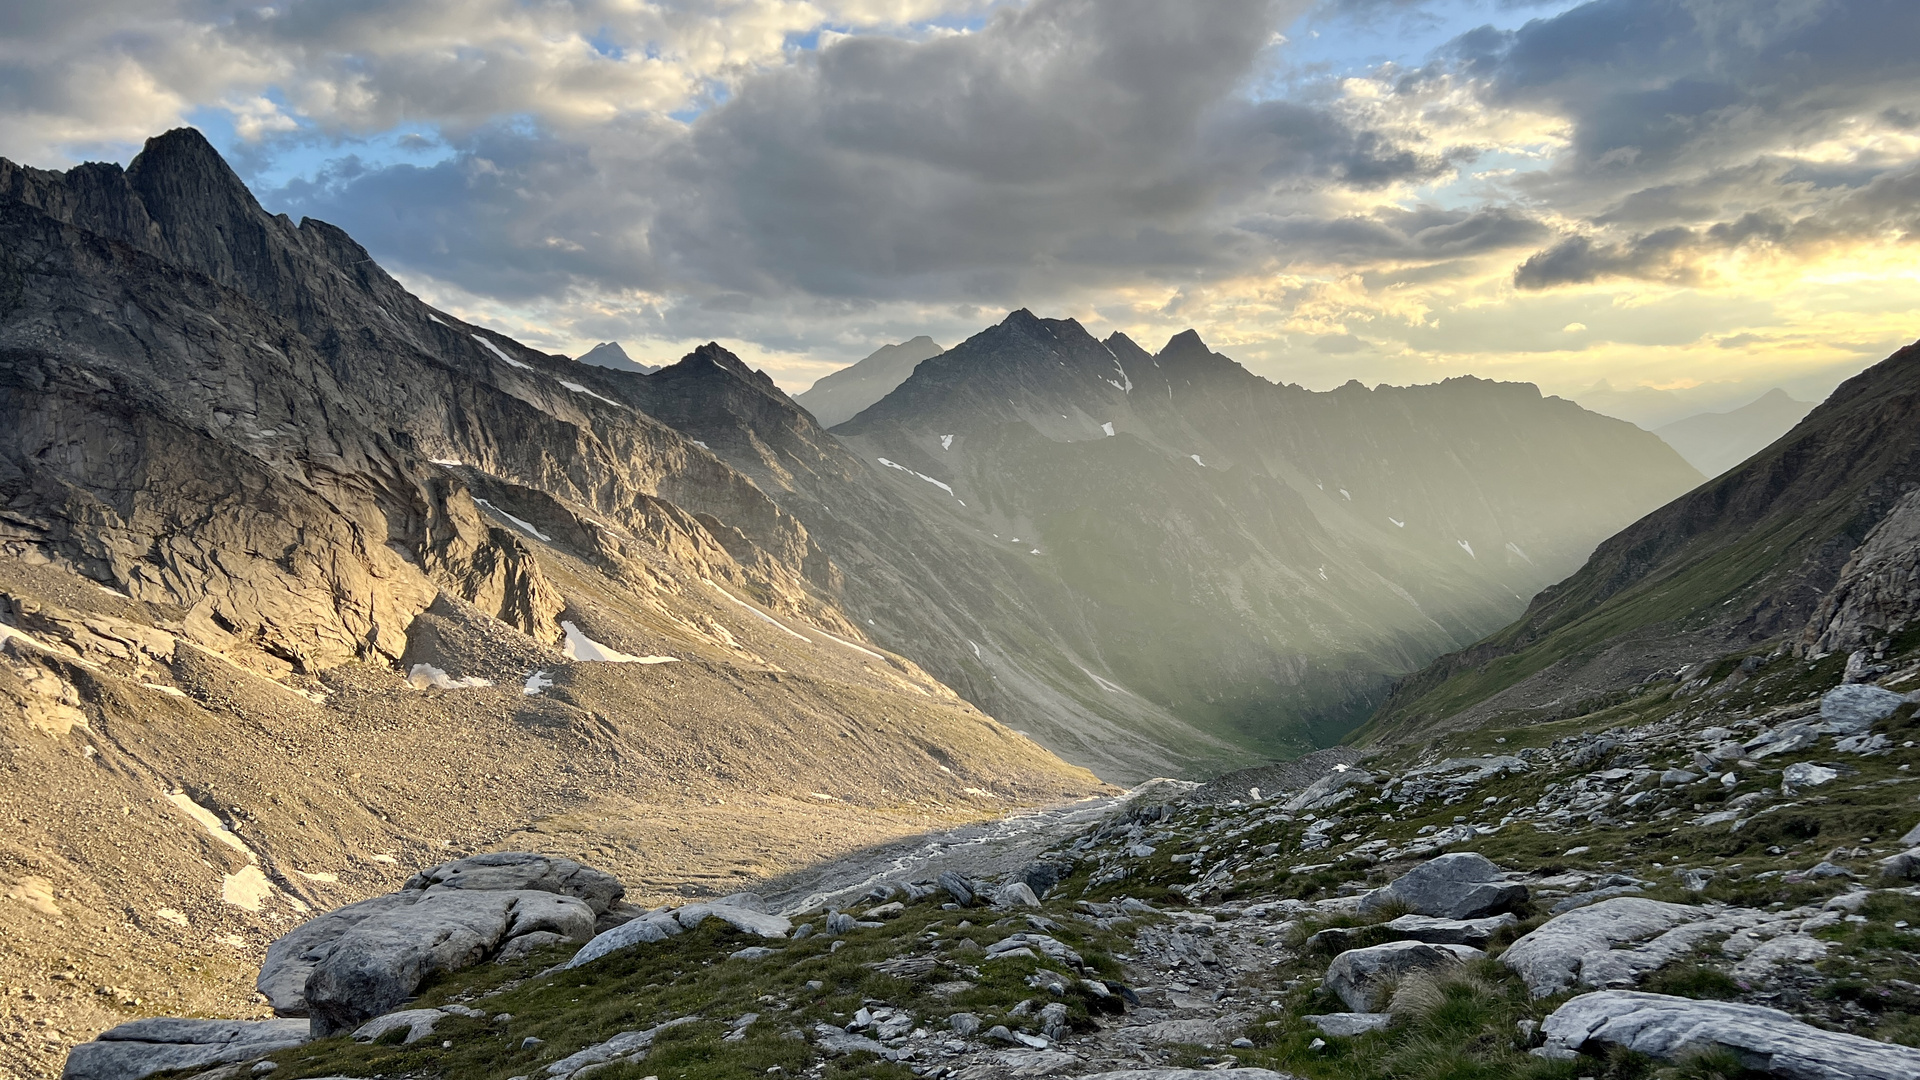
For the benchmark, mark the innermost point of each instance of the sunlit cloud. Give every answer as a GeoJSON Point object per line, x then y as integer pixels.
{"type": "Point", "coordinates": [1647, 191]}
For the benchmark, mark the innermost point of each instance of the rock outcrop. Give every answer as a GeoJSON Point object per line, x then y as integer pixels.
{"type": "Point", "coordinates": [1765, 1040]}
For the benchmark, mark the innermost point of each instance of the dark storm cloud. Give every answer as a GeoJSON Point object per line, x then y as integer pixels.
{"type": "Point", "coordinates": [1684, 113]}
{"type": "Point", "coordinates": [1105, 139]}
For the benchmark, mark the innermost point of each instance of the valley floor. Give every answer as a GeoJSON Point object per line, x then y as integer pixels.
{"type": "Point", "coordinates": [1729, 859]}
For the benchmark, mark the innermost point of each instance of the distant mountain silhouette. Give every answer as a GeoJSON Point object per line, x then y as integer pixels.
{"type": "Point", "coordinates": [841, 395]}
{"type": "Point", "coordinates": [1714, 442]}
{"type": "Point", "coordinates": [609, 354]}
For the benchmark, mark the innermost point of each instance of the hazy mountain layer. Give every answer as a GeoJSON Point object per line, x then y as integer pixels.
{"type": "Point", "coordinates": [1258, 560]}
{"type": "Point", "coordinates": [609, 354]}
{"type": "Point", "coordinates": [1716, 442]}
{"type": "Point", "coordinates": [1799, 547]}
{"type": "Point", "coordinates": [844, 393]}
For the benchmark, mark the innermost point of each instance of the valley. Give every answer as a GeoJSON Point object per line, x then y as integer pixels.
{"type": "Point", "coordinates": [310, 587]}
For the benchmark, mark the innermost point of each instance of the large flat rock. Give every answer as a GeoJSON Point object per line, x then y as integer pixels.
{"type": "Point", "coordinates": [141, 1048]}
{"type": "Point", "coordinates": [1767, 1040]}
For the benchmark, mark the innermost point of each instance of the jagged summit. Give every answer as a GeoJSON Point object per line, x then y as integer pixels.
{"type": "Point", "coordinates": [609, 354]}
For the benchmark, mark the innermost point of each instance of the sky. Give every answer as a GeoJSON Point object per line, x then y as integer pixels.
{"type": "Point", "coordinates": [1704, 194]}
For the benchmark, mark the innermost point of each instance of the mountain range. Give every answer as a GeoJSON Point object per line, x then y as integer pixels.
{"type": "Point", "coordinates": [307, 581]}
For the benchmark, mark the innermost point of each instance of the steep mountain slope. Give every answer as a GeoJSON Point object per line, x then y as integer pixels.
{"type": "Point", "coordinates": [1715, 442]}
{"type": "Point", "coordinates": [1257, 559]}
{"type": "Point", "coordinates": [1770, 555]}
{"type": "Point", "coordinates": [844, 393]}
{"type": "Point", "coordinates": [302, 581]}
{"type": "Point", "coordinates": [609, 354]}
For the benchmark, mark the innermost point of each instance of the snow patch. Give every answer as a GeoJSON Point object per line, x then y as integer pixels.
{"type": "Point", "coordinates": [431, 317]}
{"type": "Point", "coordinates": [170, 691]}
{"type": "Point", "coordinates": [445, 463]}
{"type": "Point", "coordinates": [1466, 547]}
{"type": "Point", "coordinates": [946, 442]}
{"type": "Point", "coordinates": [1397, 522]}
{"type": "Point", "coordinates": [701, 445]}
{"type": "Point", "coordinates": [521, 522]}
{"type": "Point", "coordinates": [1103, 684]}
{"type": "Point", "coordinates": [976, 649]}
{"type": "Point", "coordinates": [209, 821]}
{"type": "Point", "coordinates": [1515, 548]}
{"type": "Point", "coordinates": [426, 676]}
{"type": "Point", "coordinates": [894, 465]}
{"type": "Point", "coordinates": [579, 389]}
{"type": "Point", "coordinates": [584, 649]}
{"type": "Point", "coordinates": [536, 682]}
{"type": "Point", "coordinates": [249, 889]}
{"type": "Point", "coordinates": [1108, 427]}
{"type": "Point", "coordinates": [322, 876]}
{"type": "Point", "coordinates": [848, 644]}
{"type": "Point", "coordinates": [1344, 495]}
{"type": "Point", "coordinates": [1323, 574]}
{"type": "Point", "coordinates": [511, 362]}
{"type": "Point", "coordinates": [172, 916]}
{"type": "Point", "coordinates": [1197, 461]}
{"type": "Point", "coordinates": [783, 627]}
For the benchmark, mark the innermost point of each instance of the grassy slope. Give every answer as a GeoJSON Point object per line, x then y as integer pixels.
{"type": "Point", "coordinates": [1734, 556]}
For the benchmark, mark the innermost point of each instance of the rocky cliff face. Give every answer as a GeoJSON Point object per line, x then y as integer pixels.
{"type": "Point", "coordinates": [1806, 546]}
{"type": "Point", "coordinates": [305, 582]}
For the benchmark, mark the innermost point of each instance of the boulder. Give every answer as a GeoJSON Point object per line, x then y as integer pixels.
{"type": "Point", "coordinates": [1459, 885]}
{"type": "Point", "coordinates": [290, 960]}
{"type": "Point", "coordinates": [140, 1048]}
{"type": "Point", "coordinates": [380, 961]}
{"type": "Point", "coordinates": [526, 945]}
{"type": "Point", "coordinates": [745, 920]}
{"type": "Point", "coordinates": [1856, 707]}
{"type": "Point", "coordinates": [625, 1044]}
{"type": "Point", "coordinates": [1358, 975]}
{"type": "Point", "coordinates": [957, 887]}
{"type": "Point", "coordinates": [1474, 932]}
{"type": "Point", "coordinates": [1347, 1025]}
{"type": "Point", "coordinates": [524, 871]}
{"type": "Point", "coordinates": [1018, 894]}
{"type": "Point", "coordinates": [1807, 774]}
{"type": "Point", "coordinates": [418, 1023]}
{"type": "Point", "coordinates": [1902, 867]}
{"type": "Point", "coordinates": [656, 926]}
{"type": "Point", "coordinates": [1766, 1040]}
{"type": "Point", "coordinates": [1550, 958]}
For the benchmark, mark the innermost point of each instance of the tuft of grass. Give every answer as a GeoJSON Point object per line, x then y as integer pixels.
{"type": "Point", "coordinates": [1693, 981]}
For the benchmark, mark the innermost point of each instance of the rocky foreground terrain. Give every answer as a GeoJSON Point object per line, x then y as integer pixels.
{"type": "Point", "coordinates": [1714, 878]}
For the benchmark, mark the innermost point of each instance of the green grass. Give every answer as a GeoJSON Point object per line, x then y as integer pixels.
{"type": "Point", "coordinates": [689, 975]}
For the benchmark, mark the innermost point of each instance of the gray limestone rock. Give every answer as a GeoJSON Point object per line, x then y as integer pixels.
{"type": "Point", "coordinates": [141, 1048]}
{"type": "Point", "coordinates": [1458, 885]}
{"type": "Point", "coordinates": [1188, 1074]}
{"type": "Point", "coordinates": [1766, 1040]}
{"type": "Point", "coordinates": [653, 927]}
{"type": "Point", "coordinates": [380, 961]}
{"type": "Point", "coordinates": [418, 1022]}
{"type": "Point", "coordinates": [957, 887]}
{"type": "Point", "coordinates": [1856, 707]}
{"type": "Point", "coordinates": [525, 945]}
{"type": "Point", "coordinates": [1018, 894]}
{"type": "Point", "coordinates": [1349, 1024]}
{"type": "Point", "coordinates": [1549, 959]}
{"type": "Point", "coordinates": [1902, 867]}
{"type": "Point", "coordinates": [291, 958]}
{"type": "Point", "coordinates": [625, 1044]}
{"type": "Point", "coordinates": [504, 871]}
{"type": "Point", "coordinates": [745, 920]}
{"type": "Point", "coordinates": [1358, 975]}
